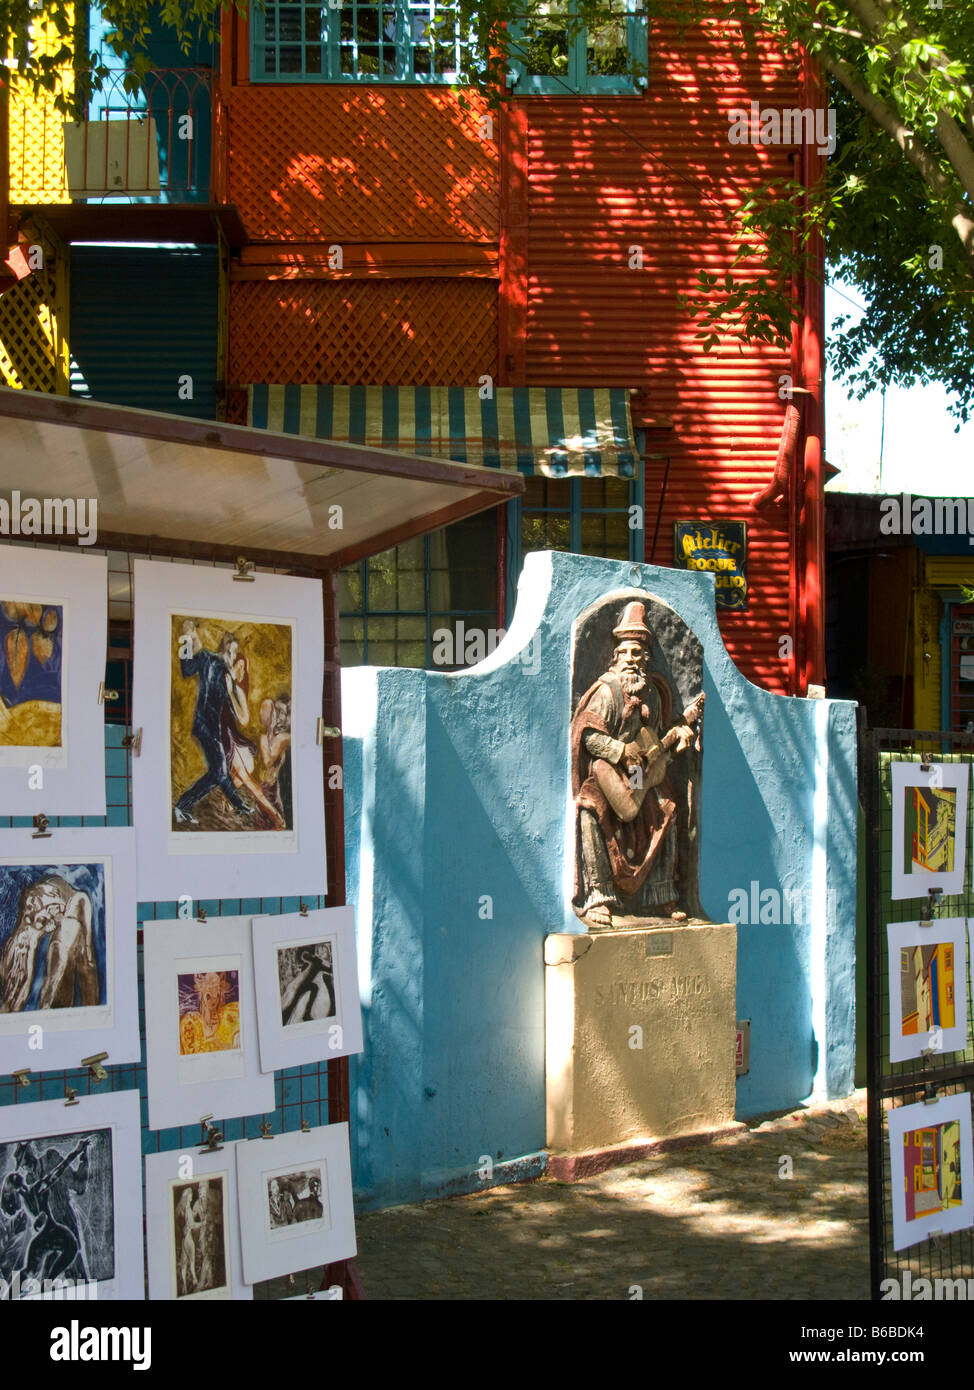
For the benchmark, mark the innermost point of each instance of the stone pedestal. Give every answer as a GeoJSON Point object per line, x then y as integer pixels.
{"type": "Point", "coordinates": [672, 990]}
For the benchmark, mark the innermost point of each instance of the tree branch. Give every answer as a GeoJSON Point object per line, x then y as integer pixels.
{"type": "Point", "coordinates": [888, 119]}
{"type": "Point", "coordinates": [872, 15]}
{"type": "Point", "coordinates": [957, 150]}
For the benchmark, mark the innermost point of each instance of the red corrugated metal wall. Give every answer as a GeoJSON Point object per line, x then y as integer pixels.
{"type": "Point", "coordinates": [659, 173]}
{"type": "Point", "coordinates": [422, 206]}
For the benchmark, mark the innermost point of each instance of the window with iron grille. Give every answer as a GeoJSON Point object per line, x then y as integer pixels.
{"type": "Point", "coordinates": [554, 54]}
{"type": "Point", "coordinates": [585, 516]}
{"type": "Point", "coordinates": [395, 606]}
{"type": "Point", "coordinates": [357, 41]}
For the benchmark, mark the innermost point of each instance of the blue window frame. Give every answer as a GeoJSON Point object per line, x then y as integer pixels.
{"type": "Point", "coordinates": [553, 55]}
{"type": "Point", "coordinates": [357, 41]}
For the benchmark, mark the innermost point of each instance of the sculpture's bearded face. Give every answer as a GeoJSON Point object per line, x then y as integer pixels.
{"type": "Point", "coordinates": [630, 666]}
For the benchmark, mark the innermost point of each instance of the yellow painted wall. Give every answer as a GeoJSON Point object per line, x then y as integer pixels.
{"type": "Point", "coordinates": [34, 353]}
{"type": "Point", "coordinates": [926, 673]}
{"type": "Point", "coordinates": [37, 134]}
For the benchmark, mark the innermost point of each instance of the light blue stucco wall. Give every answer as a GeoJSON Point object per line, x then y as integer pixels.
{"type": "Point", "coordinates": [457, 793]}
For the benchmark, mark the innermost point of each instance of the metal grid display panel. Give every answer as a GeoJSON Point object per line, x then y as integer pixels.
{"type": "Point", "coordinates": [894, 1084]}
{"type": "Point", "coordinates": [312, 1094]}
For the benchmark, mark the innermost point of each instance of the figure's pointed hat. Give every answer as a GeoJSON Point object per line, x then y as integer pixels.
{"type": "Point", "coordinates": [633, 623]}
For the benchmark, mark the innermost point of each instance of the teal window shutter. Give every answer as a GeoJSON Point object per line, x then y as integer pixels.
{"type": "Point", "coordinates": [553, 57]}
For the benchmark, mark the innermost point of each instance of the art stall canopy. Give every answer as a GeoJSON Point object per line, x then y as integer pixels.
{"type": "Point", "coordinates": [277, 497]}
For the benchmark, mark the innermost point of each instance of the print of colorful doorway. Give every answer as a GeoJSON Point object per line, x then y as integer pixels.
{"type": "Point", "coordinates": [931, 1161]}
{"type": "Point", "coordinates": [929, 827]}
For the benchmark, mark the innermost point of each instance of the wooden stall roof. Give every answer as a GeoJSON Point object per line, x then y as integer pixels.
{"type": "Point", "coordinates": [179, 485]}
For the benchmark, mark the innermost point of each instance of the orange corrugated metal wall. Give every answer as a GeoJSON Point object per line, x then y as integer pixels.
{"type": "Point", "coordinates": [572, 184]}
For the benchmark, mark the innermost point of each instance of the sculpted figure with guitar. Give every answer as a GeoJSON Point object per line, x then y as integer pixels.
{"type": "Point", "coordinates": [622, 744]}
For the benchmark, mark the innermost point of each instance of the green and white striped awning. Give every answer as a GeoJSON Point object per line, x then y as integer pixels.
{"type": "Point", "coordinates": [585, 431]}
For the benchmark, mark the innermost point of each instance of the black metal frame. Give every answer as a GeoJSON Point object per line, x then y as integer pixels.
{"type": "Point", "coordinates": [898, 1083]}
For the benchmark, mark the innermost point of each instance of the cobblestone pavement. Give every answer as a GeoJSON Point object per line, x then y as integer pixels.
{"type": "Point", "coordinates": [719, 1221]}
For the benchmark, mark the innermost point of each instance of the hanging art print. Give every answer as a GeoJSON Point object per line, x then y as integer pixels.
{"type": "Point", "coordinates": [927, 987]}
{"type": "Point", "coordinates": [201, 1022]}
{"type": "Point", "coordinates": [307, 987]}
{"type": "Point", "coordinates": [296, 1191]}
{"type": "Point", "coordinates": [227, 791]}
{"type": "Point", "coordinates": [929, 847]}
{"type": "Point", "coordinates": [67, 949]}
{"type": "Point", "coordinates": [70, 1214]}
{"type": "Point", "coordinates": [192, 1227]}
{"type": "Point", "coordinates": [931, 1168]}
{"type": "Point", "coordinates": [53, 630]}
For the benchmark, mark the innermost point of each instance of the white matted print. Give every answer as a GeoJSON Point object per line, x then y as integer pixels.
{"type": "Point", "coordinates": [68, 986]}
{"type": "Point", "coordinates": [71, 1199]}
{"type": "Point", "coordinates": [295, 1194]}
{"type": "Point", "coordinates": [227, 793]}
{"type": "Point", "coordinates": [931, 1168]}
{"type": "Point", "coordinates": [927, 987]}
{"type": "Point", "coordinates": [929, 828]}
{"type": "Point", "coordinates": [53, 644]}
{"type": "Point", "coordinates": [201, 1022]}
{"type": "Point", "coordinates": [192, 1226]}
{"type": "Point", "coordinates": [307, 987]}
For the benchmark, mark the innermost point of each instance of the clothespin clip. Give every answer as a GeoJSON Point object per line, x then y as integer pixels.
{"type": "Point", "coordinates": [930, 1095]}
{"type": "Point", "coordinates": [20, 1077]}
{"type": "Point", "coordinates": [245, 570]}
{"type": "Point", "coordinates": [323, 731]}
{"type": "Point", "coordinates": [265, 1129]}
{"type": "Point", "coordinates": [105, 695]}
{"type": "Point", "coordinates": [305, 1127]}
{"type": "Point", "coordinates": [134, 742]}
{"type": "Point", "coordinates": [935, 1237]}
{"type": "Point", "coordinates": [41, 831]}
{"type": "Point", "coordinates": [70, 1096]}
{"type": "Point", "coordinates": [94, 1065]}
{"type": "Point", "coordinates": [932, 904]}
{"type": "Point", "coordinates": [303, 909]}
{"type": "Point", "coordinates": [211, 1136]}
{"type": "Point", "coordinates": [201, 913]}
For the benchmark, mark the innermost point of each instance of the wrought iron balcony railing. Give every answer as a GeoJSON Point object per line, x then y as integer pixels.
{"type": "Point", "coordinates": [151, 146]}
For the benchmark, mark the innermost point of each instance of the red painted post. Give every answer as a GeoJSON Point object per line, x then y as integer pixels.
{"type": "Point", "coordinates": [512, 295]}
{"type": "Point", "coordinates": [813, 346]}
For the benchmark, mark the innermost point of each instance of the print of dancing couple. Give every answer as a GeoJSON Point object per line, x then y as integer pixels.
{"type": "Point", "coordinates": [247, 782]}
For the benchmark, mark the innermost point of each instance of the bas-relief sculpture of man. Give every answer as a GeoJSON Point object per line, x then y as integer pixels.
{"type": "Point", "coordinates": [626, 824]}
